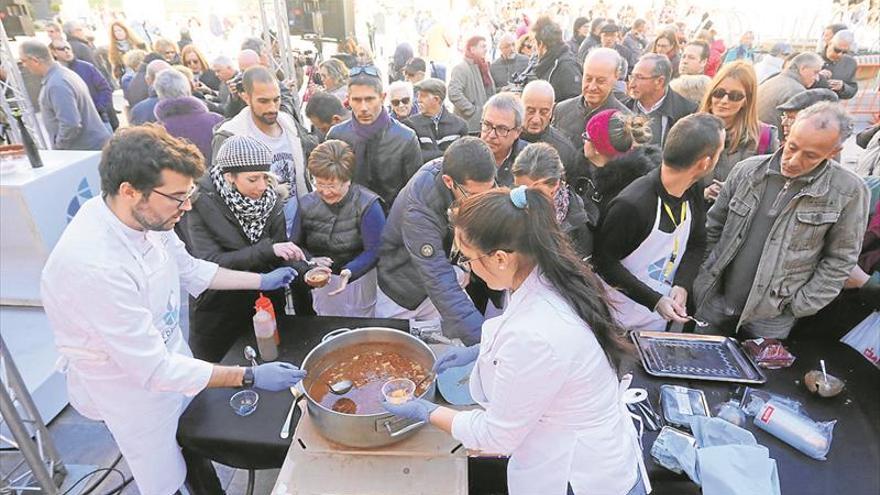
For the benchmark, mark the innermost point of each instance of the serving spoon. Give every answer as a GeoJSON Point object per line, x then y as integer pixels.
{"type": "Point", "coordinates": [341, 387]}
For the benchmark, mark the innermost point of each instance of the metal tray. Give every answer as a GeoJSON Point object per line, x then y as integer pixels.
{"type": "Point", "coordinates": [696, 357]}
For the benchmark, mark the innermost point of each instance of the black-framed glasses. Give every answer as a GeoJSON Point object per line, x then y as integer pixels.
{"type": "Point", "coordinates": [191, 196]}
{"type": "Point", "coordinates": [733, 96]}
{"type": "Point", "coordinates": [499, 130]}
{"type": "Point", "coordinates": [61, 48]}
{"type": "Point", "coordinates": [401, 101]}
{"type": "Point", "coordinates": [840, 51]}
{"type": "Point", "coordinates": [364, 69]}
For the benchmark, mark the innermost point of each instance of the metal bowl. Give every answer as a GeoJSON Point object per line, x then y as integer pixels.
{"type": "Point", "coordinates": [362, 430]}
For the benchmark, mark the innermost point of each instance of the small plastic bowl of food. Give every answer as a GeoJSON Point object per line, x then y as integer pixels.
{"type": "Point", "coordinates": [816, 382]}
{"type": "Point", "coordinates": [398, 390]}
{"type": "Point", "coordinates": [318, 277]}
{"type": "Point", "coordinates": [244, 402]}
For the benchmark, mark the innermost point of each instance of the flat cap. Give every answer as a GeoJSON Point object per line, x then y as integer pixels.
{"type": "Point", "coordinates": [243, 154]}
{"type": "Point", "coordinates": [807, 98]}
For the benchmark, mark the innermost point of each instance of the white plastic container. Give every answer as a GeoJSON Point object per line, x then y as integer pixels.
{"type": "Point", "coordinates": [264, 330]}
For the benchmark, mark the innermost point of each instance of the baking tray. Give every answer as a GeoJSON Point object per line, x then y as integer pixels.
{"type": "Point", "coordinates": [696, 357]}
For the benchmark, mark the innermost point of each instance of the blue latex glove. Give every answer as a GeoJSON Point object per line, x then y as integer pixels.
{"type": "Point", "coordinates": [277, 278]}
{"type": "Point", "coordinates": [456, 357]}
{"type": "Point", "coordinates": [418, 409]}
{"type": "Point", "coordinates": [277, 376]}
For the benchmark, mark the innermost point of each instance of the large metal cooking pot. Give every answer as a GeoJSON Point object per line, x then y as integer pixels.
{"type": "Point", "coordinates": [362, 430]}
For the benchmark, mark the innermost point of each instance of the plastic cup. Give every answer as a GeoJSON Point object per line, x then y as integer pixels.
{"type": "Point", "coordinates": [244, 402]}
{"type": "Point", "coordinates": [398, 390]}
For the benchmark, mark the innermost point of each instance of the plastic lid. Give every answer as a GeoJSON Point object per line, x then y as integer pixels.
{"type": "Point", "coordinates": [265, 304]}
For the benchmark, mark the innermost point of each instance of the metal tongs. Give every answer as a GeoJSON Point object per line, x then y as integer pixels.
{"type": "Point", "coordinates": [638, 402]}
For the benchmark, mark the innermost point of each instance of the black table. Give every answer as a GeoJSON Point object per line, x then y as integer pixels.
{"type": "Point", "coordinates": [210, 428]}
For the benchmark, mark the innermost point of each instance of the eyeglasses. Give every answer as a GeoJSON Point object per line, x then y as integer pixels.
{"type": "Point", "coordinates": [191, 196]}
{"type": "Point", "coordinates": [586, 137]}
{"type": "Point", "coordinates": [328, 187]}
{"type": "Point", "coordinates": [402, 101]}
{"type": "Point", "coordinates": [639, 77]}
{"type": "Point", "coordinates": [733, 96]}
{"type": "Point", "coordinates": [194, 61]}
{"type": "Point", "coordinates": [61, 48]}
{"type": "Point", "coordinates": [499, 130]}
{"type": "Point", "coordinates": [363, 69]}
{"type": "Point", "coordinates": [840, 51]}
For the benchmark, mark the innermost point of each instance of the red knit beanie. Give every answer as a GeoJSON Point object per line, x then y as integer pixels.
{"type": "Point", "coordinates": [606, 132]}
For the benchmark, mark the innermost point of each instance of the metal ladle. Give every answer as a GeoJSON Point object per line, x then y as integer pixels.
{"type": "Point", "coordinates": [341, 387]}
{"type": "Point", "coordinates": [251, 355]}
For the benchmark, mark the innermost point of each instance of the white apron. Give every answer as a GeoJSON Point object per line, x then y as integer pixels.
{"type": "Point", "coordinates": [144, 424]}
{"type": "Point", "coordinates": [357, 300]}
{"type": "Point", "coordinates": [655, 263]}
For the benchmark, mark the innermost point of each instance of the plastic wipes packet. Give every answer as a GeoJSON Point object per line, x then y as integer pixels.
{"type": "Point", "coordinates": [681, 404]}
{"type": "Point", "coordinates": [812, 438]}
{"type": "Point", "coordinates": [769, 353]}
{"type": "Point", "coordinates": [669, 446]}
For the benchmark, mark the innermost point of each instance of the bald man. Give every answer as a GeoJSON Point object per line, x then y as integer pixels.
{"type": "Point", "coordinates": [601, 71]}
{"type": "Point", "coordinates": [248, 58]}
{"type": "Point", "coordinates": [538, 99]}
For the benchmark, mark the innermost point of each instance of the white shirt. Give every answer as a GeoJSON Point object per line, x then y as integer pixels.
{"type": "Point", "coordinates": [551, 399]}
{"type": "Point", "coordinates": [112, 296]}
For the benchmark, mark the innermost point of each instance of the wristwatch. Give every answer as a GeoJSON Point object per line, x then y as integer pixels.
{"type": "Point", "coordinates": [248, 380]}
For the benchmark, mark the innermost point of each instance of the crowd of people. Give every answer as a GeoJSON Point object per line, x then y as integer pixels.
{"type": "Point", "coordinates": [630, 177]}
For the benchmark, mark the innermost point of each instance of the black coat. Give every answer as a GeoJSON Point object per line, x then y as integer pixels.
{"type": "Point", "coordinates": [209, 79]}
{"type": "Point", "coordinates": [218, 318]}
{"type": "Point", "coordinates": [604, 183]}
{"type": "Point", "coordinates": [572, 160]}
{"type": "Point", "coordinates": [560, 68]}
{"type": "Point", "coordinates": [673, 108]}
{"type": "Point", "coordinates": [435, 138]}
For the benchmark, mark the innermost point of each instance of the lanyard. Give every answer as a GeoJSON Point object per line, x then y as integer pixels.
{"type": "Point", "coordinates": [670, 263]}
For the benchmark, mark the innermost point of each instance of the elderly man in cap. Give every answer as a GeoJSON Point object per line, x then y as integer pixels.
{"type": "Point", "coordinates": [798, 102]}
{"type": "Point", "coordinates": [538, 100]}
{"type": "Point", "coordinates": [435, 126]}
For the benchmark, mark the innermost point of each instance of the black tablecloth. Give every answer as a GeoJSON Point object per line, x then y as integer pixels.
{"type": "Point", "coordinates": [211, 428]}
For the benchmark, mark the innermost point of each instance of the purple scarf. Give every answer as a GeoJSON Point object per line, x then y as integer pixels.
{"type": "Point", "coordinates": [365, 133]}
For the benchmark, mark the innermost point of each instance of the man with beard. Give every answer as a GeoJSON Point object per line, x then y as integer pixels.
{"type": "Point", "coordinates": [111, 289]}
{"type": "Point", "coordinates": [508, 63]}
{"type": "Point", "coordinates": [262, 120]}
{"type": "Point", "coordinates": [538, 101]}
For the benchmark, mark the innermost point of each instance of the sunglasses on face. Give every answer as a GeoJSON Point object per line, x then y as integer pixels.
{"type": "Point", "coordinates": [402, 101]}
{"type": "Point", "coordinates": [731, 95]}
{"type": "Point", "coordinates": [194, 61]}
{"type": "Point", "coordinates": [363, 69]}
{"type": "Point", "coordinates": [840, 51]}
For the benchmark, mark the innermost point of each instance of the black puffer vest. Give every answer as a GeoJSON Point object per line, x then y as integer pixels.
{"type": "Point", "coordinates": [334, 230]}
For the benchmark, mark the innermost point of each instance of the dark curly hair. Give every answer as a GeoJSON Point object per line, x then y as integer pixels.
{"type": "Point", "coordinates": [138, 155]}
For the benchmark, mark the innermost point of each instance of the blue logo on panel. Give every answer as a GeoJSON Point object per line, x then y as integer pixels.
{"type": "Point", "coordinates": [83, 194]}
{"type": "Point", "coordinates": [655, 269]}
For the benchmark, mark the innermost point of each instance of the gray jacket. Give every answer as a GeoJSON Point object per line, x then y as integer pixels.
{"type": "Point", "coordinates": [812, 246]}
{"type": "Point", "coordinates": [774, 92]}
{"type": "Point", "coordinates": [68, 112]}
{"type": "Point", "coordinates": [503, 68]}
{"type": "Point", "coordinates": [414, 261]}
{"type": "Point", "coordinates": [467, 93]}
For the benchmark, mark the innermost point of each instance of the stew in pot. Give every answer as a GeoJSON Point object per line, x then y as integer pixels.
{"type": "Point", "coordinates": [368, 366]}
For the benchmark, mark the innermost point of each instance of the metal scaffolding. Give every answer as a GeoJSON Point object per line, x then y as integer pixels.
{"type": "Point", "coordinates": [14, 95]}
{"type": "Point", "coordinates": [30, 438]}
{"type": "Point", "coordinates": [277, 36]}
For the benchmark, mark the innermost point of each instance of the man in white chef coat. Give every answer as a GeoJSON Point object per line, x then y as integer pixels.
{"type": "Point", "coordinates": [111, 289]}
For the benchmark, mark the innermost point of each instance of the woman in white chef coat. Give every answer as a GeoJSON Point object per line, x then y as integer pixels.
{"type": "Point", "coordinates": [550, 394]}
